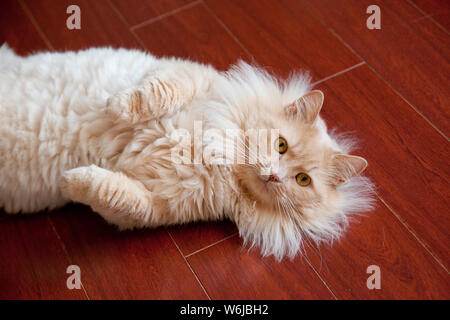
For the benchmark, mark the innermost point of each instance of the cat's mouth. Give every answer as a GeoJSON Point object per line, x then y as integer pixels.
{"type": "Point", "coordinates": [271, 182]}
{"type": "Point", "coordinates": [263, 187]}
{"type": "Point", "coordinates": [273, 178]}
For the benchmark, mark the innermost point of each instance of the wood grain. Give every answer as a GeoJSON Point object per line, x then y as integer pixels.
{"type": "Point", "coordinates": [100, 25]}
{"type": "Point", "coordinates": [32, 261]}
{"type": "Point", "coordinates": [407, 158]}
{"type": "Point", "coordinates": [17, 30]}
{"type": "Point", "coordinates": [192, 33]}
{"type": "Point", "coordinates": [283, 36]}
{"type": "Point", "coordinates": [379, 239]}
{"type": "Point", "coordinates": [410, 53]}
{"type": "Point", "coordinates": [138, 11]}
{"type": "Point", "coordinates": [228, 271]}
{"type": "Point", "coordinates": [124, 265]}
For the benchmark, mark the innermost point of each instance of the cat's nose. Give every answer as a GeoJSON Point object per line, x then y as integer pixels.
{"type": "Point", "coordinates": [274, 178]}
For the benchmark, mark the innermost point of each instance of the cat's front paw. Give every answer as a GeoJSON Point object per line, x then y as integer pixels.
{"type": "Point", "coordinates": [76, 184]}
{"type": "Point", "coordinates": [130, 105]}
{"type": "Point", "coordinates": [116, 105]}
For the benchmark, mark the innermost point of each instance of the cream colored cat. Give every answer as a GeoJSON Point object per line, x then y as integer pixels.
{"type": "Point", "coordinates": [98, 127]}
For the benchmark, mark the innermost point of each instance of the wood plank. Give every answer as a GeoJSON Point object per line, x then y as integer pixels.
{"type": "Point", "coordinates": [438, 9]}
{"type": "Point", "coordinates": [192, 33]}
{"type": "Point", "coordinates": [407, 270]}
{"type": "Point", "coordinates": [138, 11]}
{"type": "Point", "coordinates": [100, 25]}
{"type": "Point", "coordinates": [32, 261]}
{"type": "Point", "coordinates": [407, 158]}
{"type": "Point", "coordinates": [283, 36]}
{"type": "Point", "coordinates": [140, 264]}
{"type": "Point", "coordinates": [17, 30]}
{"type": "Point", "coordinates": [227, 271]}
{"type": "Point", "coordinates": [411, 54]}
{"type": "Point", "coordinates": [195, 236]}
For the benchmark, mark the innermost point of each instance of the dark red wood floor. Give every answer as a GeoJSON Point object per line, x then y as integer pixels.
{"type": "Point", "coordinates": [389, 86]}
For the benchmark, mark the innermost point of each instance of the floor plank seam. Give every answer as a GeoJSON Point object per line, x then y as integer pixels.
{"type": "Point", "coordinates": [338, 73]}
{"type": "Point", "coordinates": [189, 265]}
{"type": "Point", "coordinates": [409, 103]}
{"type": "Point", "coordinates": [411, 231]}
{"type": "Point", "coordinates": [34, 22]}
{"type": "Point", "coordinates": [231, 34]}
{"type": "Point", "coordinates": [321, 279]}
{"type": "Point", "coordinates": [381, 77]}
{"type": "Point", "coordinates": [66, 252]}
{"type": "Point", "coordinates": [165, 15]}
{"type": "Point", "coordinates": [121, 17]}
{"type": "Point", "coordinates": [428, 15]}
{"type": "Point", "coordinates": [211, 245]}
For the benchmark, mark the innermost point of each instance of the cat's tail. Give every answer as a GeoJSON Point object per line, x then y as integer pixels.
{"type": "Point", "coordinates": [7, 55]}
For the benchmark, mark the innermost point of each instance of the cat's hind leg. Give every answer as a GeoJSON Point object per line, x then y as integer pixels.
{"type": "Point", "coordinates": [120, 200]}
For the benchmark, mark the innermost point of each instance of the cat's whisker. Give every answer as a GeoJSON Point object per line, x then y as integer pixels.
{"type": "Point", "coordinates": [280, 196]}
{"type": "Point", "coordinates": [252, 153]}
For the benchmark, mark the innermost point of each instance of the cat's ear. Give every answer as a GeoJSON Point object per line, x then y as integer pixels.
{"type": "Point", "coordinates": [345, 167]}
{"type": "Point", "coordinates": [307, 107]}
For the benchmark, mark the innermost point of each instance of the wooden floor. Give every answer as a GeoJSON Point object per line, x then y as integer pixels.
{"type": "Point", "coordinates": [389, 86]}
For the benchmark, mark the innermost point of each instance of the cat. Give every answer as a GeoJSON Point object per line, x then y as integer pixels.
{"type": "Point", "coordinates": [99, 127]}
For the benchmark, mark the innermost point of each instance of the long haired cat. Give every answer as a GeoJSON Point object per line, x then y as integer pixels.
{"type": "Point", "coordinates": [100, 127]}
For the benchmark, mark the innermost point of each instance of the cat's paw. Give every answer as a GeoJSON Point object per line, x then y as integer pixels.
{"type": "Point", "coordinates": [76, 184]}
{"type": "Point", "coordinates": [129, 105]}
{"type": "Point", "coordinates": [116, 105]}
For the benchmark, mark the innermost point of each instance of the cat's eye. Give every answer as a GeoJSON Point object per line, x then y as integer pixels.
{"type": "Point", "coordinates": [281, 145]}
{"type": "Point", "coordinates": [303, 179]}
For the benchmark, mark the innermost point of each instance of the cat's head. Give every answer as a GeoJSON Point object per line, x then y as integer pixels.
{"type": "Point", "coordinates": [304, 163]}
{"type": "Point", "coordinates": [308, 180]}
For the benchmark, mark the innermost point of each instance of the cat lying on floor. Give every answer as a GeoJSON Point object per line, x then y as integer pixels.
{"type": "Point", "coordinates": [100, 127]}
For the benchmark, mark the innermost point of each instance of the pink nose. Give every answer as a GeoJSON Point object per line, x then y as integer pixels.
{"type": "Point", "coordinates": [273, 178]}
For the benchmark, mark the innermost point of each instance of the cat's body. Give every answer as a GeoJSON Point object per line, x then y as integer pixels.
{"type": "Point", "coordinates": [52, 119]}
{"type": "Point", "coordinates": [98, 127]}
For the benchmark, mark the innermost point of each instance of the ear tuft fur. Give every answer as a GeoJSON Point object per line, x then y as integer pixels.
{"type": "Point", "coordinates": [307, 107]}
{"type": "Point", "coordinates": [345, 167]}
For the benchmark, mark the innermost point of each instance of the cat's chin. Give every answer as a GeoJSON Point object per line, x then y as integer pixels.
{"type": "Point", "coordinates": [268, 185]}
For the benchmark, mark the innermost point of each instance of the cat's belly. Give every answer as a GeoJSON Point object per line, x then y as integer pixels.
{"type": "Point", "coordinates": [42, 102]}
{"type": "Point", "coordinates": [29, 172]}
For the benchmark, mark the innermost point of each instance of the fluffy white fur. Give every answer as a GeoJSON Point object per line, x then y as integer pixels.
{"type": "Point", "coordinates": [95, 127]}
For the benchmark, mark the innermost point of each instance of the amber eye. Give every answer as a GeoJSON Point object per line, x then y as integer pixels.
{"type": "Point", "coordinates": [281, 145]}
{"type": "Point", "coordinates": [303, 179]}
